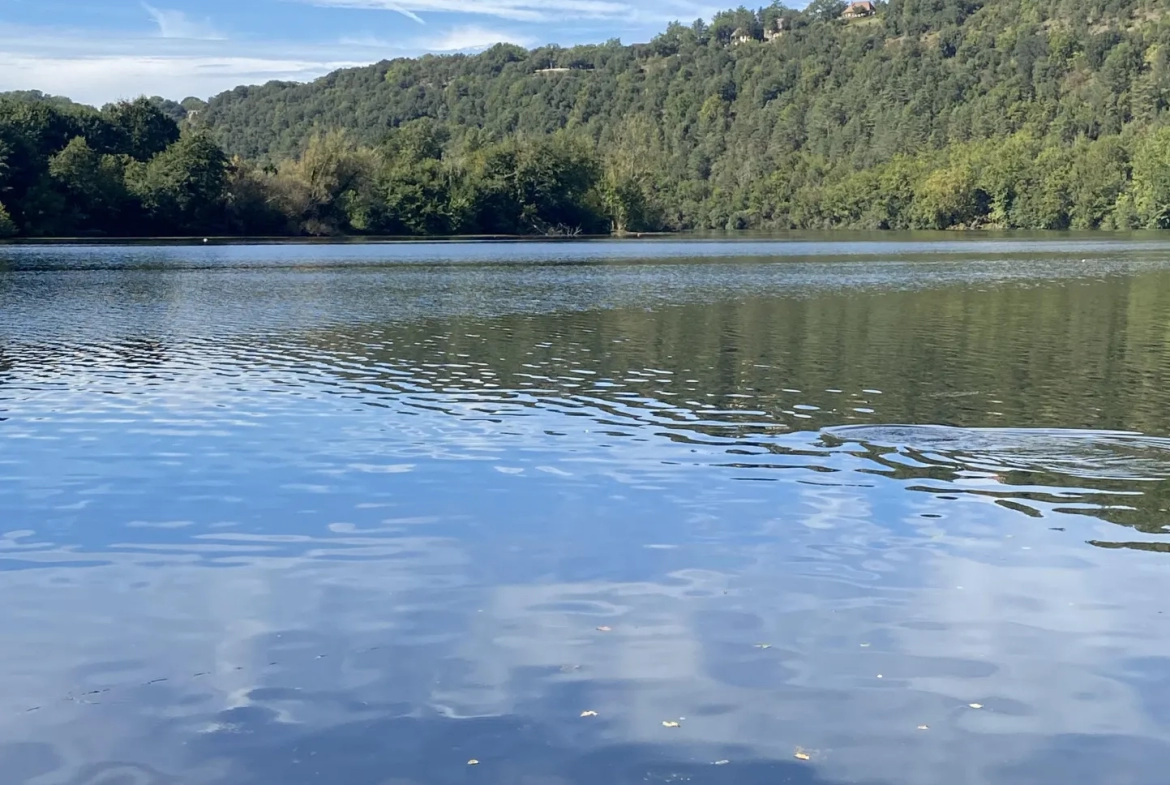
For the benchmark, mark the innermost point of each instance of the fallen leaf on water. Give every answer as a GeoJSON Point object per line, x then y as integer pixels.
{"type": "Point", "coordinates": [473, 762]}
{"type": "Point", "coordinates": [923, 727]}
{"type": "Point", "coordinates": [603, 628]}
{"type": "Point", "coordinates": [975, 705]}
{"type": "Point", "coordinates": [589, 713]}
{"type": "Point", "coordinates": [721, 762]}
{"type": "Point", "coordinates": [669, 724]}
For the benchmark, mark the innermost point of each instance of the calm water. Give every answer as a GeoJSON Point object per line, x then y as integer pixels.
{"type": "Point", "coordinates": [361, 515]}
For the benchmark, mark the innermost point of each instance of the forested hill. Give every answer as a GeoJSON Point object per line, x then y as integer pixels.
{"type": "Point", "coordinates": [906, 114]}
{"type": "Point", "coordinates": [918, 74]}
{"type": "Point", "coordinates": [772, 132]}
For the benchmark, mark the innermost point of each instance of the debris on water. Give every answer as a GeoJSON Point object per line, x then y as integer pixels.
{"type": "Point", "coordinates": [473, 762]}
{"type": "Point", "coordinates": [923, 727]}
{"type": "Point", "coordinates": [801, 754]}
{"type": "Point", "coordinates": [721, 762]}
{"type": "Point", "coordinates": [588, 713]}
{"type": "Point", "coordinates": [763, 645]}
{"type": "Point", "coordinates": [975, 705]}
{"type": "Point", "coordinates": [604, 628]}
{"type": "Point", "coordinates": [669, 724]}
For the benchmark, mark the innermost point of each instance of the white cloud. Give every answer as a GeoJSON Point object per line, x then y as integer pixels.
{"type": "Point", "coordinates": [100, 79]}
{"type": "Point", "coordinates": [469, 38]}
{"type": "Point", "coordinates": [189, 56]}
{"type": "Point", "coordinates": [176, 24]}
{"type": "Point", "coordinates": [537, 10]}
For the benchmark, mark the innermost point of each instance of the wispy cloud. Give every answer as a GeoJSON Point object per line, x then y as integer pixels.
{"type": "Point", "coordinates": [96, 80]}
{"type": "Point", "coordinates": [468, 38]}
{"type": "Point", "coordinates": [404, 11]}
{"type": "Point", "coordinates": [471, 38]}
{"type": "Point", "coordinates": [518, 10]}
{"type": "Point", "coordinates": [188, 55]}
{"type": "Point", "coordinates": [176, 24]}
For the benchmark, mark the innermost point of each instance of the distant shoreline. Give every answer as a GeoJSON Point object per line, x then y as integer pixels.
{"type": "Point", "coordinates": [792, 235]}
{"type": "Point", "coordinates": [334, 240]}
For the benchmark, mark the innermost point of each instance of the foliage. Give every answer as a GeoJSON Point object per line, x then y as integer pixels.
{"type": "Point", "coordinates": [940, 114]}
{"type": "Point", "coordinates": [7, 225]}
{"type": "Point", "coordinates": [182, 189]}
{"type": "Point", "coordinates": [145, 128]}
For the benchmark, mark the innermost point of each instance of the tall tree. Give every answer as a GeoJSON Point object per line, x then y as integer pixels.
{"type": "Point", "coordinates": [145, 129]}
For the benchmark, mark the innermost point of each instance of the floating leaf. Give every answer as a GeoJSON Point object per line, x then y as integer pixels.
{"type": "Point", "coordinates": [473, 762]}
{"type": "Point", "coordinates": [923, 727]}
{"type": "Point", "coordinates": [975, 705]}
{"type": "Point", "coordinates": [589, 713]}
{"type": "Point", "coordinates": [604, 628]}
{"type": "Point", "coordinates": [669, 724]}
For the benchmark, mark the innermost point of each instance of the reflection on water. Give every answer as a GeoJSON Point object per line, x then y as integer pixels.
{"type": "Point", "coordinates": [363, 515]}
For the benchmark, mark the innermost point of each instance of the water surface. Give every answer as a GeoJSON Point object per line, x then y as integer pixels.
{"type": "Point", "coordinates": [363, 514]}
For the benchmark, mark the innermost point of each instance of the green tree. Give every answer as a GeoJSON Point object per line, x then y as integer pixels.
{"type": "Point", "coordinates": [145, 129]}
{"type": "Point", "coordinates": [318, 188]}
{"type": "Point", "coordinates": [950, 197]}
{"type": "Point", "coordinates": [91, 184]}
{"type": "Point", "coordinates": [184, 188]}
{"type": "Point", "coordinates": [1151, 180]}
{"type": "Point", "coordinates": [8, 227]}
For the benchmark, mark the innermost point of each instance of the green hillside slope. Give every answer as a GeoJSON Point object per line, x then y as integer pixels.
{"type": "Point", "coordinates": [803, 129]}
{"type": "Point", "coordinates": [921, 114]}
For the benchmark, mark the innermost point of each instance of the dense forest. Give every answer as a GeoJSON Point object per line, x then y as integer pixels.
{"type": "Point", "coordinates": [919, 114]}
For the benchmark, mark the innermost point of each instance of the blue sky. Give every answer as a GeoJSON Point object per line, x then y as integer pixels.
{"type": "Point", "coordinates": [101, 50]}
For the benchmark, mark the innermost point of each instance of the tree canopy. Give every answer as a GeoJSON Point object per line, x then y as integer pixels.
{"type": "Point", "coordinates": [940, 114]}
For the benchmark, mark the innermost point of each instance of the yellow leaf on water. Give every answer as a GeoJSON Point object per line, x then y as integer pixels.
{"type": "Point", "coordinates": [589, 713]}
{"type": "Point", "coordinates": [669, 724]}
{"type": "Point", "coordinates": [801, 756]}
{"type": "Point", "coordinates": [473, 762]}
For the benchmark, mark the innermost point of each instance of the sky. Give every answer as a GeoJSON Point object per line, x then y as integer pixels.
{"type": "Point", "coordinates": [96, 51]}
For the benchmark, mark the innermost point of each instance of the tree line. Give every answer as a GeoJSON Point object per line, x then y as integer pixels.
{"type": "Point", "coordinates": [130, 170]}
{"type": "Point", "coordinates": [929, 114]}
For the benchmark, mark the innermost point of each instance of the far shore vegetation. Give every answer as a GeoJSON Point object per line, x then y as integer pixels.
{"type": "Point", "coordinates": [1009, 114]}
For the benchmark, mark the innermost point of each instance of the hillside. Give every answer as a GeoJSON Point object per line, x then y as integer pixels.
{"type": "Point", "coordinates": [923, 113]}
{"type": "Point", "coordinates": [737, 133]}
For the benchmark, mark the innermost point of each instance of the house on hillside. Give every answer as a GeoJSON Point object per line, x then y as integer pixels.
{"type": "Point", "coordinates": [776, 29]}
{"type": "Point", "coordinates": [741, 36]}
{"type": "Point", "coordinates": [859, 9]}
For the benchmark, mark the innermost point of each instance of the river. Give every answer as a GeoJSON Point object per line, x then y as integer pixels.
{"type": "Point", "coordinates": [821, 511]}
